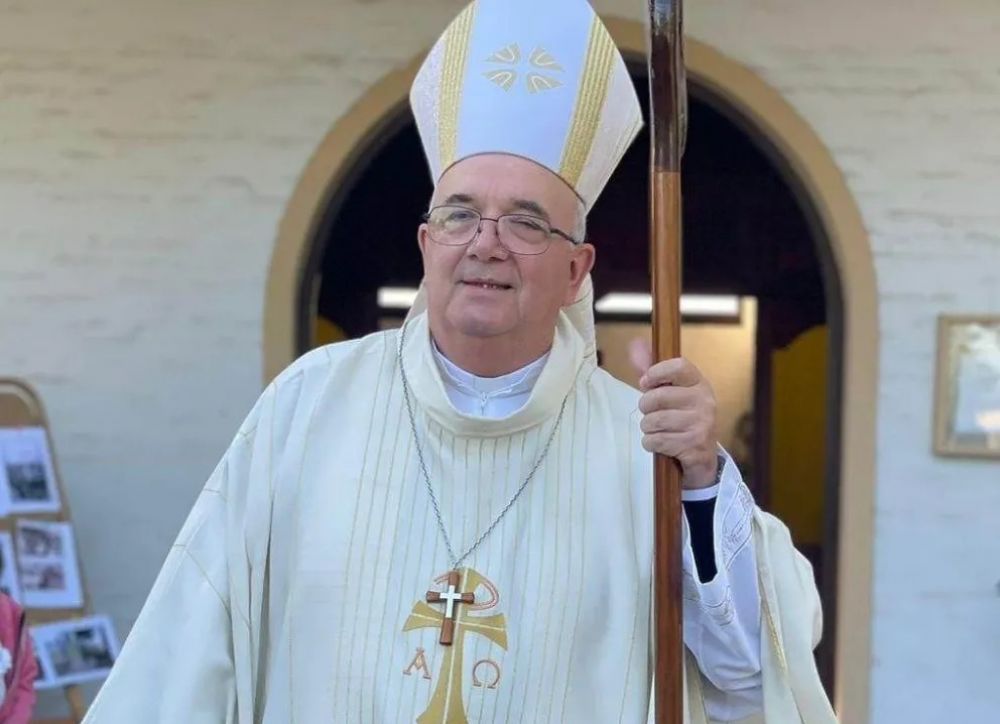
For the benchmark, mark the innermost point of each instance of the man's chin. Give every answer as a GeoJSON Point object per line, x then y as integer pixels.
{"type": "Point", "coordinates": [481, 327]}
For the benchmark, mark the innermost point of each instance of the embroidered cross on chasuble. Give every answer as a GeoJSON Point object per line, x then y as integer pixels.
{"type": "Point", "coordinates": [446, 702]}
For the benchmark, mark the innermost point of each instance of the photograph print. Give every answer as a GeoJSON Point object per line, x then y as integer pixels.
{"type": "Point", "coordinates": [9, 582]}
{"type": "Point", "coordinates": [72, 652]}
{"type": "Point", "coordinates": [27, 476]}
{"type": "Point", "coordinates": [43, 679]}
{"type": "Point", "coordinates": [47, 562]}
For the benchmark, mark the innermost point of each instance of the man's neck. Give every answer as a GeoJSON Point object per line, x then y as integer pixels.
{"type": "Point", "coordinates": [489, 356]}
{"type": "Point", "coordinates": [488, 385]}
{"type": "Point", "coordinates": [490, 397]}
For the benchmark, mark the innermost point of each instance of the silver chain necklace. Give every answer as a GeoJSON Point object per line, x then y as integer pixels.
{"type": "Point", "coordinates": [456, 561]}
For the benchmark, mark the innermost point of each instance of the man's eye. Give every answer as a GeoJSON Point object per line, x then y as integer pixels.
{"type": "Point", "coordinates": [459, 216]}
{"type": "Point", "coordinates": [526, 222]}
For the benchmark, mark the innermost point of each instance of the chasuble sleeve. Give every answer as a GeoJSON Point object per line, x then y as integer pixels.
{"type": "Point", "coordinates": [177, 664]}
{"type": "Point", "coordinates": [185, 657]}
{"type": "Point", "coordinates": [793, 620]}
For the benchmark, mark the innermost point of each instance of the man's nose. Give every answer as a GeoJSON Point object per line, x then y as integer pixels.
{"type": "Point", "coordinates": [486, 243]}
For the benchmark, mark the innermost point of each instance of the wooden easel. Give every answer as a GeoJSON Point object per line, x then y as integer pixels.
{"type": "Point", "coordinates": [21, 407]}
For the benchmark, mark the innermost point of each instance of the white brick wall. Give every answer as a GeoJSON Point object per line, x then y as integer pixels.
{"type": "Point", "coordinates": [146, 153]}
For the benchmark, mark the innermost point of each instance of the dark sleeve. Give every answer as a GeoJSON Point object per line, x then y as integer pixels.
{"type": "Point", "coordinates": [700, 516]}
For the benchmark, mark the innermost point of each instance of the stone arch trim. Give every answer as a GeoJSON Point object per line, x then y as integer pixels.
{"type": "Point", "coordinates": [817, 173]}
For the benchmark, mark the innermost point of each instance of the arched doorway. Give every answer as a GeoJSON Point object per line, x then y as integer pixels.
{"type": "Point", "coordinates": [365, 151]}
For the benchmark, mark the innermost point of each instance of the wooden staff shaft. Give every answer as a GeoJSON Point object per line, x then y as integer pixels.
{"type": "Point", "coordinates": [667, 104]}
{"type": "Point", "coordinates": [667, 497]}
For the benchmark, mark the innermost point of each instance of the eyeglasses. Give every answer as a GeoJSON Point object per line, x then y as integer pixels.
{"type": "Point", "coordinates": [518, 233]}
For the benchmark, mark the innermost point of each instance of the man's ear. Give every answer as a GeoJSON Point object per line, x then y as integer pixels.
{"type": "Point", "coordinates": [580, 264]}
{"type": "Point", "coordinates": [422, 239]}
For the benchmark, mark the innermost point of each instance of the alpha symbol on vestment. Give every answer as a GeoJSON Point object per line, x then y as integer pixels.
{"type": "Point", "coordinates": [446, 701]}
{"type": "Point", "coordinates": [419, 663]}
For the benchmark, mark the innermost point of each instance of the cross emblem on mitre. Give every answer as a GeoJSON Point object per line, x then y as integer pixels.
{"type": "Point", "coordinates": [534, 81]}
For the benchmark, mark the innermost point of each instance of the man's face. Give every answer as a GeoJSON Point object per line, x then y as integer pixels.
{"type": "Point", "coordinates": [483, 290]}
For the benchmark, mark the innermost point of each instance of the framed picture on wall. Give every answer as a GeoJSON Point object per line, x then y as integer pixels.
{"type": "Point", "coordinates": [967, 406]}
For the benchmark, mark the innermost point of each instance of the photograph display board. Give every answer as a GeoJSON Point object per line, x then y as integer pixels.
{"type": "Point", "coordinates": [39, 566]}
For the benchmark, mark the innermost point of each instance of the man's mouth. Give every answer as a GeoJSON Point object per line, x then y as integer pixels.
{"type": "Point", "coordinates": [486, 284]}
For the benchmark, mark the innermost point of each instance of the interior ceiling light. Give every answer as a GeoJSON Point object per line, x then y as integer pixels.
{"type": "Point", "coordinates": [396, 297]}
{"type": "Point", "coordinates": [692, 305]}
{"type": "Point", "coordinates": [626, 303]}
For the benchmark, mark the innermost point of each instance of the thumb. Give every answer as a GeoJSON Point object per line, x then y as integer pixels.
{"type": "Point", "coordinates": [640, 353]}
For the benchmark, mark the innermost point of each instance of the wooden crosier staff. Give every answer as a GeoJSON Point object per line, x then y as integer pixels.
{"type": "Point", "coordinates": [668, 120]}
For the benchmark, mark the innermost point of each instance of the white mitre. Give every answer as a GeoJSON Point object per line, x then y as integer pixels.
{"type": "Point", "coordinates": [541, 79]}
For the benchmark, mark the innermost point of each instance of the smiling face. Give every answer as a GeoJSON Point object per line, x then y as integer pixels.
{"type": "Point", "coordinates": [481, 291]}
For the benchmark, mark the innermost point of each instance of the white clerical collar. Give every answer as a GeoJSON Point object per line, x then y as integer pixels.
{"type": "Point", "coordinates": [518, 382]}
{"type": "Point", "coordinates": [432, 392]}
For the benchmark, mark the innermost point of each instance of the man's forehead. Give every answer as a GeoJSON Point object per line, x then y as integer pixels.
{"type": "Point", "coordinates": [487, 166]}
{"type": "Point", "coordinates": [513, 203]}
{"type": "Point", "coordinates": [511, 181]}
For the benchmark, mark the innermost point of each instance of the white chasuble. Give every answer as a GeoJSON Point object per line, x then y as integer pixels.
{"type": "Point", "coordinates": [297, 590]}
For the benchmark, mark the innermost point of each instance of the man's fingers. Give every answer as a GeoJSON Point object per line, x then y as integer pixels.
{"type": "Point", "coordinates": [668, 398]}
{"type": "Point", "coordinates": [640, 353]}
{"type": "Point", "coordinates": [671, 444]}
{"type": "Point", "coordinates": [668, 421]}
{"type": "Point", "coordinates": [677, 372]}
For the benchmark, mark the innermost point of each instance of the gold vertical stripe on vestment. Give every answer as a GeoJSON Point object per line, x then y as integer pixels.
{"type": "Point", "coordinates": [565, 560]}
{"type": "Point", "coordinates": [552, 553]}
{"type": "Point", "coordinates": [589, 103]}
{"type": "Point", "coordinates": [456, 54]}
{"type": "Point", "coordinates": [350, 546]}
{"type": "Point", "coordinates": [637, 593]}
{"type": "Point", "coordinates": [397, 475]}
{"type": "Point", "coordinates": [584, 539]}
{"type": "Point", "coordinates": [365, 584]}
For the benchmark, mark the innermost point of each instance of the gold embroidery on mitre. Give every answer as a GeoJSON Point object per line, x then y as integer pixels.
{"type": "Point", "coordinates": [456, 53]}
{"type": "Point", "coordinates": [534, 82]}
{"type": "Point", "coordinates": [503, 78]}
{"type": "Point", "coordinates": [510, 54]}
{"type": "Point", "coordinates": [446, 705]}
{"type": "Point", "coordinates": [596, 79]}
{"type": "Point", "coordinates": [538, 82]}
{"type": "Point", "coordinates": [541, 58]}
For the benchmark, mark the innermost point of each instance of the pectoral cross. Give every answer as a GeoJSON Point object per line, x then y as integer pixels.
{"type": "Point", "coordinates": [450, 598]}
{"type": "Point", "coordinates": [446, 702]}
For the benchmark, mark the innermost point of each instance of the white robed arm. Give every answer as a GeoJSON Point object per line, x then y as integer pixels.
{"type": "Point", "coordinates": [190, 656]}
{"type": "Point", "coordinates": [760, 657]}
{"type": "Point", "coordinates": [722, 616]}
{"type": "Point", "coordinates": [177, 664]}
